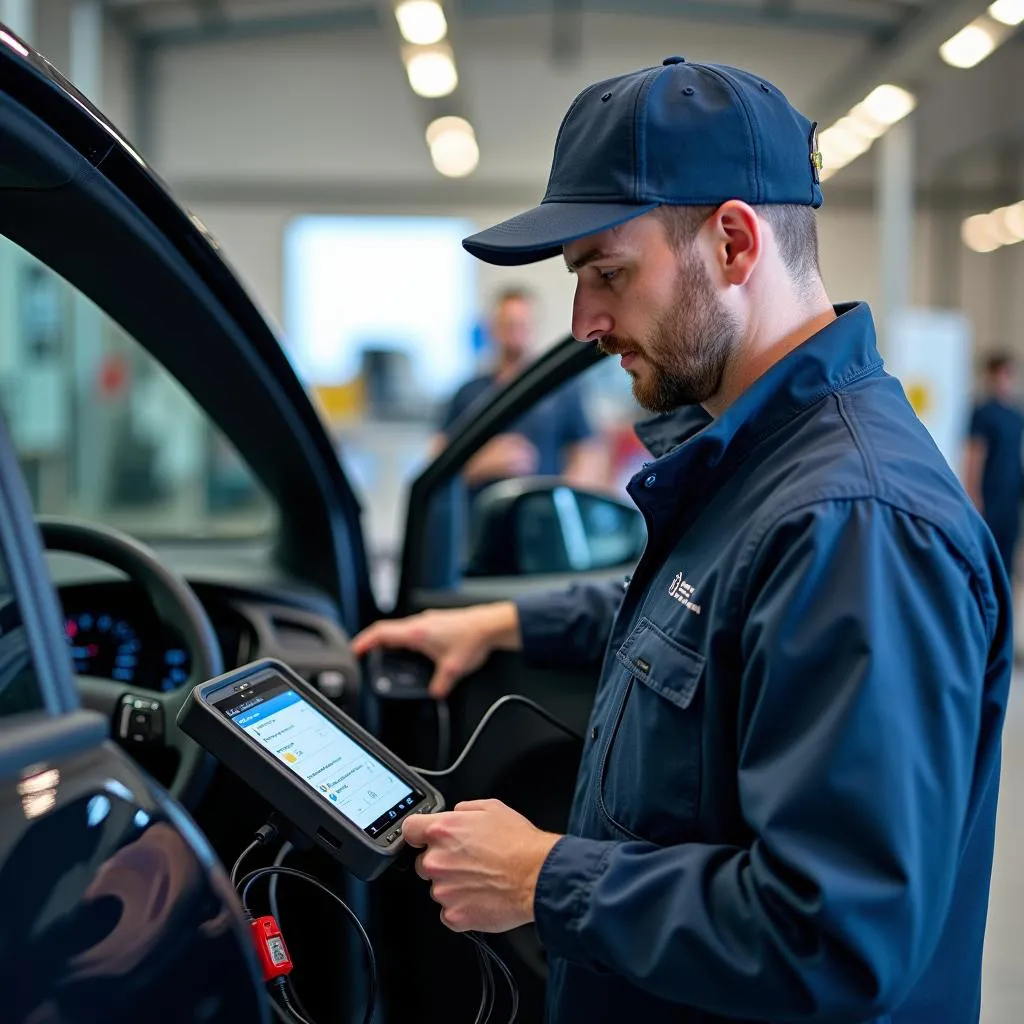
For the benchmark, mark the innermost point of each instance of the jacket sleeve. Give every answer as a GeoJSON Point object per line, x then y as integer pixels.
{"type": "Point", "coordinates": [864, 646]}
{"type": "Point", "coordinates": [569, 627]}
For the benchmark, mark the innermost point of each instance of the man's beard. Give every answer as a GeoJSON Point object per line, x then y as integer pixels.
{"type": "Point", "coordinates": [688, 347]}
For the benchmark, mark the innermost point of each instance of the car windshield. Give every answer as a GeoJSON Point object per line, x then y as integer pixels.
{"type": "Point", "coordinates": [103, 433]}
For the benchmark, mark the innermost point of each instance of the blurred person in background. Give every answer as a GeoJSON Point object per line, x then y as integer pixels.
{"type": "Point", "coordinates": [554, 438]}
{"type": "Point", "coordinates": [994, 472]}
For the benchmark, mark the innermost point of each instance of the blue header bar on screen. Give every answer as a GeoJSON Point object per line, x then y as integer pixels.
{"type": "Point", "coordinates": [268, 708]}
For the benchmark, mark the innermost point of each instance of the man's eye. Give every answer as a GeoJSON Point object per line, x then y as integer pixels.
{"type": "Point", "coordinates": [608, 275]}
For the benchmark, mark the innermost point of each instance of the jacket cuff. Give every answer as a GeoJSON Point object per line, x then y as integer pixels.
{"type": "Point", "coordinates": [563, 893]}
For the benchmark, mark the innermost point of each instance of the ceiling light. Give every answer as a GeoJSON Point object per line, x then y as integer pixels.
{"type": "Point", "coordinates": [1004, 227]}
{"type": "Point", "coordinates": [431, 72]}
{"type": "Point", "coordinates": [1008, 12]}
{"type": "Point", "coordinates": [888, 104]}
{"type": "Point", "coordinates": [1013, 218]}
{"type": "Point", "coordinates": [421, 21]}
{"type": "Point", "coordinates": [842, 144]}
{"type": "Point", "coordinates": [867, 124]}
{"type": "Point", "coordinates": [453, 146]}
{"type": "Point", "coordinates": [970, 46]}
{"type": "Point", "coordinates": [977, 233]}
{"type": "Point", "coordinates": [852, 130]}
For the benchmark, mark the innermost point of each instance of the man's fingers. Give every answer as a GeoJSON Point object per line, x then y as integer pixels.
{"type": "Point", "coordinates": [382, 634]}
{"type": "Point", "coordinates": [476, 805]}
{"type": "Point", "coordinates": [369, 639]}
{"type": "Point", "coordinates": [414, 831]}
{"type": "Point", "coordinates": [444, 679]}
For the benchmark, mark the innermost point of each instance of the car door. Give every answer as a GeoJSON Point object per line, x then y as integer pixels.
{"type": "Point", "coordinates": [522, 759]}
{"type": "Point", "coordinates": [100, 874]}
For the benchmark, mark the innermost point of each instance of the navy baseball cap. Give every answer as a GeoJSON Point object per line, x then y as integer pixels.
{"type": "Point", "coordinates": [679, 134]}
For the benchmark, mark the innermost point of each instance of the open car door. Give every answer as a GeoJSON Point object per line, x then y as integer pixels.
{"type": "Point", "coordinates": [450, 560]}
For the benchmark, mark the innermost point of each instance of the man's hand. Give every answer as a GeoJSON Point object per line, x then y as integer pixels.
{"type": "Point", "coordinates": [483, 860]}
{"type": "Point", "coordinates": [458, 641]}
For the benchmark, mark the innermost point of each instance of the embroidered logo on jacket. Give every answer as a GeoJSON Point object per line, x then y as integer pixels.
{"type": "Point", "coordinates": [683, 593]}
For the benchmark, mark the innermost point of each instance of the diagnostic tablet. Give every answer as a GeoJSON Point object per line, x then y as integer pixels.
{"type": "Point", "coordinates": [314, 764]}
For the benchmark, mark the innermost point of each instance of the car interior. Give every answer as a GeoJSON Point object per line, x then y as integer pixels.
{"type": "Point", "coordinates": [144, 622]}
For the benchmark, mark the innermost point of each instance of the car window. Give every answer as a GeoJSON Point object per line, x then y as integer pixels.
{"type": "Point", "coordinates": [102, 432]}
{"type": "Point", "coordinates": [19, 689]}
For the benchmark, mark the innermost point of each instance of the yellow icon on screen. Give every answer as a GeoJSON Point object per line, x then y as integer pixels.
{"type": "Point", "coordinates": [289, 757]}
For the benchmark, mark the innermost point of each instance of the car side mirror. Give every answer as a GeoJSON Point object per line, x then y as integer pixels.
{"type": "Point", "coordinates": [532, 527]}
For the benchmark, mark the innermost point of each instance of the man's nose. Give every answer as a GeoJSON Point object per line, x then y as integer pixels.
{"type": "Point", "coordinates": [590, 320]}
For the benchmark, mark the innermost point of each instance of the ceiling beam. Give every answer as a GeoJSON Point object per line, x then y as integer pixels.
{"type": "Point", "coordinates": [223, 29]}
{"type": "Point", "coordinates": [776, 14]}
{"type": "Point", "coordinates": [904, 59]}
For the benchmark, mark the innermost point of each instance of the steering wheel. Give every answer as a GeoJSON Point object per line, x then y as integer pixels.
{"type": "Point", "coordinates": [144, 716]}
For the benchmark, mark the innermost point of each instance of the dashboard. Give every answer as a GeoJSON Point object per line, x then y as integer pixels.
{"type": "Point", "coordinates": [113, 632]}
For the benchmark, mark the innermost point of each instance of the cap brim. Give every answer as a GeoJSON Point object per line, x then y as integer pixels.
{"type": "Point", "coordinates": [540, 233]}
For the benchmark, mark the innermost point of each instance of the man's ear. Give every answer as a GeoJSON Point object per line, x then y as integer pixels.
{"type": "Point", "coordinates": [737, 240]}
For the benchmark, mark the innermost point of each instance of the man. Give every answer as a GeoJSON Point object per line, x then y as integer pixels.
{"type": "Point", "coordinates": [786, 799]}
{"type": "Point", "coordinates": [553, 439]}
{"type": "Point", "coordinates": [994, 472]}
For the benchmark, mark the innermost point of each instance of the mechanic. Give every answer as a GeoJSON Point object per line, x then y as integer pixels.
{"type": "Point", "coordinates": [786, 801]}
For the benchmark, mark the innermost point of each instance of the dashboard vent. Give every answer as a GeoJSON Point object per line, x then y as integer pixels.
{"type": "Point", "coordinates": [297, 636]}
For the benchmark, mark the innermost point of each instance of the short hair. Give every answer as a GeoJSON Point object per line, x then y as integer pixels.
{"type": "Point", "coordinates": [999, 361]}
{"type": "Point", "coordinates": [794, 226]}
{"type": "Point", "coordinates": [514, 293]}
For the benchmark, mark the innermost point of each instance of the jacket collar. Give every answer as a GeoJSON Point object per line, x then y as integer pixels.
{"type": "Point", "coordinates": [830, 360]}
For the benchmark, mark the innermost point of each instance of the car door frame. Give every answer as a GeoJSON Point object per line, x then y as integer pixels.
{"type": "Point", "coordinates": [563, 362]}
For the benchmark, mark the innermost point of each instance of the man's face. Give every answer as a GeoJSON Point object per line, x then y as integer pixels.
{"type": "Point", "coordinates": [512, 328]}
{"type": "Point", "coordinates": [641, 299]}
{"type": "Point", "coordinates": [1006, 382]}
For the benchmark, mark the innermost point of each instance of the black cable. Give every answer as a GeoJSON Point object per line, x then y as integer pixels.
{"type": "Point", "coordinates": [254, 845]}
{"type": "Point", "coordinates": [486, 1008]}
{"type": "Point", "coordinates": [245, 884]}
{"type": "Point", "coordinates": [282, 988]}
{"type": "Point", "coordinates": [482, 946]}
{"type": "Point", "coordinates": [279, 1013]}
{"type": "Point", "coordinates": [286, 848]}
{"type": "Point", "coordinates": [509, 698]}
{"type": "Point", "coordinates": [264, 834]}
{"type": "Point", "coordinates": [513, 988]}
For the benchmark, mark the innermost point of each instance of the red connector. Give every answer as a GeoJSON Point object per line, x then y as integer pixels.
{"type": "Point", "coordinates": [270, 948]}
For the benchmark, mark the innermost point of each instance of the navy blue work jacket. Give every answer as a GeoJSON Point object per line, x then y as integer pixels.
{"type": "Point", "coordinates": [787, 798]}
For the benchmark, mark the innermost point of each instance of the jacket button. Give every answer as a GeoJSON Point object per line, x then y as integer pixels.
{"type": "Point", "coordinates": [651, 480]}
{"type": "Point", "coordinates": [593, 733]}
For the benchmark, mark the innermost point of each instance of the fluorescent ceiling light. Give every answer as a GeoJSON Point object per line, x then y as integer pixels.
{"type": "Point", "coordinates": [453, 146]}
{"type": "Point", "coordinates": [970, 46]}
{"type": "Point", "coordinates": [977, 234]}
{"type": "Point", "coordinates": [421, 21]}
{"type": "Point", "coordinates": [1005, 226]}
{"type": "Point", "coordinates": [888, 104]}
{"type": "Point", "coordinates": [431, 72]}
{"type": "Point", "coordinates": [1013, 218]}
{"type": "Point", "coordinates": [1007, 12]}
{"type": "Point", "coordinates": [867, 124]}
